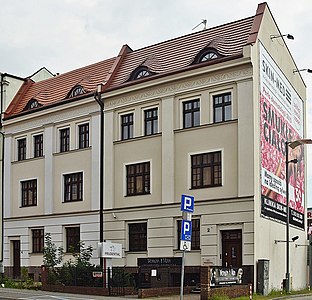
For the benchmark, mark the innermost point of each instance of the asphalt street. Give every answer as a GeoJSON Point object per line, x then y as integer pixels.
{"type": "Point", "coordinates": [16, 294]}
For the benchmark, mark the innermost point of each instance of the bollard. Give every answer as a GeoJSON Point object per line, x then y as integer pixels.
{"type": "Point", "coordinates": [250, 292]}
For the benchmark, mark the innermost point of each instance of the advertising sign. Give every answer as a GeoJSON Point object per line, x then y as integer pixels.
{"type": "Point", "coordinates": [281, 120]}
{"type": "Point", "coordinates": [225, 276]}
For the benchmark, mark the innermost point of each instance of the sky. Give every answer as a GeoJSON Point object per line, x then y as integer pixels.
{"type": "Point", "coordinates": [63, 35]}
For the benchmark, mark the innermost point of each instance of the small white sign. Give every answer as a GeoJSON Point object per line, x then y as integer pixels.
{"type": "Point", "coordinates": [185, 245]}
{"type": "Point", "coordinates": [154, 273]}
{"type": "Point", "coordinates": [110, 250]}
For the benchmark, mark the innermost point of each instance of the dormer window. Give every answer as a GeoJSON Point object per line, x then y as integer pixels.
{"type": "Point", "coordinates": [140, 72]}
{"type": "Point", "coordinates": [76, 91]}
{"type": "Point", "coordinates": [33, 103]}
{"type": "Point", "coordinates": [205, 55]}
{"type": "Point", "coordinates": [143, 73]}
{"type": "Point", "coordinates": [208, 56]}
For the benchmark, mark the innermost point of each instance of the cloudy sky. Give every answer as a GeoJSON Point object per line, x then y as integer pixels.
{"type": "Point", "coordinates": [66, 34]}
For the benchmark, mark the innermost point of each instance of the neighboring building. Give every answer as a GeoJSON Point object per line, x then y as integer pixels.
{"type": "Point", "coordinates": [9, 86]}
{"type": "Point", "coordinates": [205, 114]}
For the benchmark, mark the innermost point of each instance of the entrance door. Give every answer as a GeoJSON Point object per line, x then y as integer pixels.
{"type": "Point", "coordinates": [16, 259]}
{"type": "Point", "coordinates": [232, 248]}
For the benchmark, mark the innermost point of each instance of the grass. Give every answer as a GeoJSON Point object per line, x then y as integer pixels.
{"type": "Point", "coordinates": [272, 295]}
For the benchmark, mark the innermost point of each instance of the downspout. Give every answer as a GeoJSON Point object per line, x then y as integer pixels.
{"type": "Point", "coordinates": [97, 97]}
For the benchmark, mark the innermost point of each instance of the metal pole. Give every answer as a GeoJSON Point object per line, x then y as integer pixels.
{"type": "Point", "coordinates": [182, 275]}
{"type": "Point", "coordinates": [287, 223]}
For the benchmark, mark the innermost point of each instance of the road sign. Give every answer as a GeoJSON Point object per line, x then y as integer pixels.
{"type": "Point", "coordinates": [186, 230]}
{"type": "Point", "coordinates": [185, 245]}
{"type": "Point", "coordinates": [187, 203]}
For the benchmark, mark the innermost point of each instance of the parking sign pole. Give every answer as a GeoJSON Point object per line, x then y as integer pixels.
{"type": "Point", "coordinates": [187, 208]}
{"type": "Point", "coordinates": [182, 275]}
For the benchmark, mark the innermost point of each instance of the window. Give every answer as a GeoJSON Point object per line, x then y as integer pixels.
{"type": "Point", "coordinates": [33, 103]}
{"type": "Point", "coordinates": [195, 243]}
{"type": "Point", "coordinates": [206, 170]}
{"type": "Point", "coordinates": [222, 107]}
{"type": "Point", "coordinates": [83, 136]}
{"type": "Point", "coordinates": [127, 126]}
{"type": "Point", "coordinates": [73, 187]}
{"type": "Point", "coordinates": [21, 149]}
{"type": "Point", "coordinates": [64, 140]}
{"type": "Point", "coordinates": [76, 91]}
{"type": "Point", "coordinates": [138, 179]}
{"type": "Point", "coordinates": [38, 145]}
{"type": "Point", "coordinates": [29, 192]}
{"type": "Point", "coordinates": [208, 56]}
{"type": "Point", "coordinates": [37, 240]}
{"type": "Point", "coordinates": [151, 121]}
{"type": "Point", "coordinates": [140, 72]}
{"type": "Point", "coordinates": [191, 113]}
{"type": "Point", "coordinates": [73, 239]}
{"type": "Point", "coordinates": [138, 237]}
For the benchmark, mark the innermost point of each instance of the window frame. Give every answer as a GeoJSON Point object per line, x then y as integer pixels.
{"type": "Point", "coordinates": [137, 239]}
{"type": "Point", "coordinates": [73, 185]}
{"type": "Point", "coordinates": [128, 125]}
{"type": "Point", "coordinates": [152, 120]}
{"type": "Point", "coordinates": [73, 239]}
{"type": "Point", "coordinates": [38, 145]}
{"type": "Point", "coordinates": [146, 179]}
{"type": "Point", "coordinates": [26, 187]}
{"type": "Point", "coordinates": [195, 233]}
{"type": "Point", "coordinates": [216, 167]}
{"type": "Point", "coordinates": [64, 138]}
{"type": "Point", "coordinates": [193, 112]}
{"type": "Point", "coordinates": [37, 240]}
{"type": "Point", "coordinates": [223, 105]}
{"type": "Point", "coordinates": [21, 148]}
{"type": "Point", "coordinates": [83, 135]}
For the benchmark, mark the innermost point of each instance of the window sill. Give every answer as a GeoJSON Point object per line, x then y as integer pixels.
{"type": "Point", "coordinates": [136, 252]}
{"type": "Point", "coordinates": [71, 151]}
{"type": "Point", "coordinates": [138, 138]}
{"type": "Point", "coordinates": [135, 195]}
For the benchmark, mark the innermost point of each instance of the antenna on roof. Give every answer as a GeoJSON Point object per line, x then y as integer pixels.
{"type": "Point", "coordinates": [204, 21]}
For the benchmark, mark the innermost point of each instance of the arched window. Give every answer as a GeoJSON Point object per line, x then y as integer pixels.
{"type": "Point", "coordinates": [140, 72]}
{"type": "Point", "coordinates": [33, 103]}
{"type": "Point", "coordinates": [205, 55]}
{"type": "Point", "coordinates": [208, 56]}
{"type": "Point", "coordinates": [76, 91]}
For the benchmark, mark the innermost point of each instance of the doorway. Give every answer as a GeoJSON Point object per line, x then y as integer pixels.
{"type": "Point", "coordinates": [232, 248]}
{"type": "Point", "coordinates": [16, 259]}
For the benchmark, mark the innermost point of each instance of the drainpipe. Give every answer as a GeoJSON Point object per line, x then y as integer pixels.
{"type": "Point", "coordinates": [2, 200]}
{"type": "Point", "coordinates": [98, 99]}
{"type": "Point", "coordinates": [1, 99]}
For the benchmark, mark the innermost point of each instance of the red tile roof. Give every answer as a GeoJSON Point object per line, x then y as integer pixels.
{"type": "Point", "coordinates": [174, 55]}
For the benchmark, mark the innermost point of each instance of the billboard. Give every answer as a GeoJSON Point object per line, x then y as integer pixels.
{"type": "Point", "coordinates": [281, 120]}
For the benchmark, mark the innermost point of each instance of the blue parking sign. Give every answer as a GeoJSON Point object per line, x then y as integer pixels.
{"type": "Point", "coordinates": [186, 230]}
{"type": "Point", "coordinates": [187, 203]}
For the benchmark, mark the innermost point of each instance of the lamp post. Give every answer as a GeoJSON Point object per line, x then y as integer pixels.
{"type": "Point", "coordinates": [292, 145]}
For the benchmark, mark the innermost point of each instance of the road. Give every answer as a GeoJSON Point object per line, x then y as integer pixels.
{"type": "Point", "coordinates": [16, 294]}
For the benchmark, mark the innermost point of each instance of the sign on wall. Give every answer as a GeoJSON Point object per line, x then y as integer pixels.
{"type": "Point", "coordinates": [281, 120]}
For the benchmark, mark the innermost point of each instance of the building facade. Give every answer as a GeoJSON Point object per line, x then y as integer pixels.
{"type": "Point", "coordinates": [202, 115]}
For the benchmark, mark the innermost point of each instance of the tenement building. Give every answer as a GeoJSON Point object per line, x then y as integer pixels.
{"type": "Point", "coordinates": [207, 114]}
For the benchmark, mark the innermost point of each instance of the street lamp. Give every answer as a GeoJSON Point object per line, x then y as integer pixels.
{"type": "Point", "coordinates": [292, 145]}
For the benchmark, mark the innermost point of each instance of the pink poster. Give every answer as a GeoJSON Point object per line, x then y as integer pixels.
{"type": "Point", "coordinates": [281, 121]}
